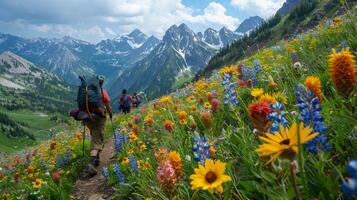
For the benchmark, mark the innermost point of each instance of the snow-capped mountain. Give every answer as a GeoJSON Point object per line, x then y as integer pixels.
{"type": "Point", "coordinates": [249, 24]}
{"type": "Point", "coordinates": [180, 54]}
{"type": "Point", "coordinates": [220, 38]}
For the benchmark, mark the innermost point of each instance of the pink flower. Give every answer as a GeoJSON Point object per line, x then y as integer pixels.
{"type": "Point", "coordinates": [166, 175]}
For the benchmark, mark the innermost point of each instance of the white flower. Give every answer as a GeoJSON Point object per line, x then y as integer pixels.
{"type": "Point", "coordinates": [188, 157]}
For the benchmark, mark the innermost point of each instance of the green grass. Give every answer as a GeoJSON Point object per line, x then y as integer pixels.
{"type": "Point", "coordinates": [37, 124]}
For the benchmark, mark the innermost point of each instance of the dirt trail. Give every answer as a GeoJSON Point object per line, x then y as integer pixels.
{"type": "Point", "coordinates": [95, 188]}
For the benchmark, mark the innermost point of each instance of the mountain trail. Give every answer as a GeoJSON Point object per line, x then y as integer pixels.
{"type": "Point", "coordinates": [96, 188]}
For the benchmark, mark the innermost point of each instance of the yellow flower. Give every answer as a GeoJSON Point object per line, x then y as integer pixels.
{"type": "Point", "coordinates": [267, 98]}
{"type": "Point", "coordinates": [194, 108]}
{"type": "Point", "coordinates": [313, 83]}
{"type": "Point", "coordinates": [165, 100]}
{"type": "Point", "coordinates": [227, 70]}
{"type": "Point", "coordinates": [207, 105]}
{"type": "Point", "coordinates": [210, 177]}
{"type": "Point", "coordinates": [280, 97]}
{"type": "Point", "coordinates": [142, 147]}
{"type": "Point", "coordinates": [271, 82]}
{"type": "Point", "coordinates": [285, 143]}
{"type": "Point", "coordinates": [257, 92]}
{"type": "Point", "coordinates": [182, 115]}
{"type": "Point", "coordinates": [191, 99]}
{"type": "Point", "coordinates": [183, 121]}
{"type": "Point", "coordinates": [38, 183]}
{"type": "Point", "coordinates": [130, 151]}
{"type": "Point", "coordinates": [125, 161]}
{"type": "Point", "coordinates": [132, 136]}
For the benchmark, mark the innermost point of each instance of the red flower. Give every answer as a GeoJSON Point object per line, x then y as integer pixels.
{"type": "Point", "coordinates": [241, 83]}
{"type": "Point", "coordinates": [56, 176]}
{"type": "Point", "coordinates": [168, 125]}
{"type": "Point", "coordinates": [215, 105]}
{"type": "Point", "coordinates": [136, 119]}
{"type": "Point", "coordinates": [201, 100]}
{"type": "Point", "coordinates": [259, 114]}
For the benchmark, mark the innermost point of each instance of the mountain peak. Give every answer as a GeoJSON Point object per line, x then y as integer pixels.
{"type": "Point", "coordinates": [288, 6]}
{"type": "Point", "coordinates": [249, 24]}
{"type": "Point", "coordinates": [137, 33]}
{"type": "Point", "coordinates": [184, 27]}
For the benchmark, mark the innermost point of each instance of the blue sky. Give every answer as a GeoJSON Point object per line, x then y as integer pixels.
{"type": "Point", "coordinates": [95, 20]}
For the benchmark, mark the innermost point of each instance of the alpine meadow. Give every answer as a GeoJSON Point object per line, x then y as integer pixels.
{"type": "Point", "coordinates": [203, 105]}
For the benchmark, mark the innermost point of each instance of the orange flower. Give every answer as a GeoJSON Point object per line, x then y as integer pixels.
{"type": "Point", "coordinates": [169, 125]}
{"type": "Point", "coordinates": [343, 69]}
{"type": "Point", "coordinates": [182, 115]}
{"type": "Point", "coordinates": [259, 114]}
{"type": "Point", "coordinates": [29, 169]}
{"type": "Point", "coordinates": [209, 96]}
{"type": "Point", "coordinates": [267, 98]}
{"type": "Point", "coordinates": [161, 155]}
{"type": "Point", "coordinates": [53, 145]}
{"type": "Point", "coordinates": [313, 83]}
{"type": "Point", "coordinates": [175, 160]}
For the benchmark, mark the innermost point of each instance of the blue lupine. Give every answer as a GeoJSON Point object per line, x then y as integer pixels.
{"type": "Point", "coordinates": [200, 149]}
{"type": "Point", "coordinates": [309, 107]}
{"type": "Point", "coordinates": [230, 97]}
{"type": "Point", "coordinates": [134, 164]}
{"type": "Point", "coordinates": [244, 73]}
{"type": "Point", "coordinates": [118, 141]}
{"type": "Point", "coordinates": [253, 76]}
{"type": "Point", "coordinates": [105, 173]}
{"type": "Point", "coordinates": [277, 117]}
{"type": "Point", "coordinates": [59, 161]}
{"type": "Point", "coordinates": [67, 157]}
{"type": "Point", "coordinates": [257, 66]}
{"type": "Point", "coordinates": [118, 173]}
{"type": "Point", "coordinates": [349, 187]}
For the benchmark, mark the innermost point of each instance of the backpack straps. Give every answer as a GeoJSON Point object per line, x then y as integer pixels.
{"type": "Point", "coordinates": [87, 104]}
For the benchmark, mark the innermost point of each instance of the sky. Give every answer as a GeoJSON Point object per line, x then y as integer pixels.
{"type": "Point", "coordinates": [95, 20]}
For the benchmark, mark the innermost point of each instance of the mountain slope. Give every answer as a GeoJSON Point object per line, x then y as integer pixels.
{"type": "Point", "coordinates": [305, 16]}
{"type": "Point", "coordinates": [180, 54]}
{"type": "Point", "coordinates": [249, 24]}
{"type": "Point", "coordinates": [27, 88]}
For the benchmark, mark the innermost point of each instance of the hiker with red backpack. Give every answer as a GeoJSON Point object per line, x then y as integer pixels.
{"type": "Point", "coordinates": [93, 105]}
{"type": "Point", "coordinates": [125, 102]}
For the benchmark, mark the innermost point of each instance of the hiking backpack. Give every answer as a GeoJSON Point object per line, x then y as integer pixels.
{"type": "Point", "coordinates": [89, 95]}
{"type": "Point", "coordinates": [125, 101]}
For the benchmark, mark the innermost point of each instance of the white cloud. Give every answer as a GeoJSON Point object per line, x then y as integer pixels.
{"type": "Point", "coordinates": [263, 8]}
{"type": "Point", "coordinates": [94, 20]}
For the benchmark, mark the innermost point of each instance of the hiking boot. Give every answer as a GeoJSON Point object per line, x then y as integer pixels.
{"type": "Point", "coordinates": [91, 170]}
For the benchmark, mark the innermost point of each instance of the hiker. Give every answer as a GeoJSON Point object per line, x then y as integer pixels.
{"type": "Point", "coordinates": [136, 100]}
{"type": "Point", "coordinates": [93, 103]}
{"type": "Point", "coordinates": [125, 102]}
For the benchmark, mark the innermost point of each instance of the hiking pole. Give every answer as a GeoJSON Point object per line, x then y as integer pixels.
{"type": "Point", "coordinates": [111, 122]}
{"type": "Point", "coordinates": [84, 138]}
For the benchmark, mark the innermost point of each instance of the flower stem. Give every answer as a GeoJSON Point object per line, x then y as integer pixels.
{"type": "Point", "coordinates": [293, 180]}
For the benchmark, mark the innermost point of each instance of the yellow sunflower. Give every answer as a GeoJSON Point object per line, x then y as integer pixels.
{"type": "Point", "coordinates": [191, 99]}
{"type": "Point", "coordinates": [183, 121]}
{"type": "Point", "coordinates": [267, 98]}
{"type": "Point", "coordinates": [125, 161]}
{"type": "Point", "coordinates": [194, 108]}
{"type": "Point", "coordinates": [207, 105]}
{"type": "Point", "coordinates": [38, 183]}
{"type": "Point", "coordinates": [256, 92]}
{"type": "Point", "coordinates": [210, 177]}
{"type": "Point", "coordinates": [285, 143]}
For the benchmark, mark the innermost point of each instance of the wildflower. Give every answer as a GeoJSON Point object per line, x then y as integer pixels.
{"type": "Point", "coordinates": [271, 82]}
{"type": "Point", "coordinates": [193, 124]}
{"type": "Point", "coordinates": [161, 155]}
{"type": "Point", "coordinates": [132, 136]}
{"type": "Point", "coordinates": [259, 113]}
{"type": "Point", "coordinates": [206, 118]}
{"type": "Point", "coordinates": [277, 117]}
{"type": "Point", "coordinates": [16, 177]}
{"type": "Point", "coordinates": [118, 141]}
{"type": "Point", "coordinates": [243, 72]}
{"type": "Point", "coordinates": [207, 106]}
{"type": "Point", "coordinates": [29, 169]}
{"type": "Point", "coordinates": [253, 76]}
{"type": "Point", "coordinates": [314, 85]}
{"type": "Point", "coordinates": [200, 148]}
{"type": "Point", "coordinates": [143, 165]}
{"type": "Point", "coordinates": [130, 151]}
{"type": "Point", "coordinates": [257, 66]}
{"type": "Point", "coordinates": [267, 98]}
{"type": "Point", "coordinates": [191, 99]}
{"type": "Point", "coordinates": [183, 121]}
{"type": "Point", "coordinates": [169, 125]}
{"type": "Point", "coordinates": [133, 164]}
{"type": "Point", "coordinates": [148, 121]}
{"type": "Point", "coordinates": [118, 173]}
{"type": "Point", "coordinates": [182, 115]}
{"type": "Point", "coordinates": [257, 92]}
{"type": "Point", "coordinates": [193, 108]}
{"type": "Point", "coordinates": [175, 161]}
{"type": "Point", "coordinates": [349, 187]}
{"type": "Point", "coordinates": [56, 176]}
{"type": "Point", "coordinates": [285, 142]}
{"type": "Point", "coordinates": [309, 107]}
{"type": "Point", "coordinates": [212, 152]}
{"type": "Point", "coordinates": [342, 69]}
{"type": "Point", "coordinates": [215, 105]}
{"type": "Point", "coordinates": [53, 144]}
{"type": "Point", "coordinates": [105, 173]}
{"type": "Point", "coordinates": [165, 100]}
{"type": "Point", "coordinates": [166, 175]}
{"type": "Point", "coordinates": [38, 183]}
{"type": "Point", "coordinates": [209, 96]}
{"type": "Point", "coordinates": [136, 119]}
{"type": "Point", "coordinates": [125, 161]}
{"type": "Point", "coordinates": [280, 97]}
{"type": "Point", "coordinates": [210, 177]}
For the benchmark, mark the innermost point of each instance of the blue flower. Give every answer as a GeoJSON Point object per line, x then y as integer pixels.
{"type": "Point", "coordinates": [310, 109]}
{"type": "Point", "coordinates": [134, 164]}
{"type": "Point", "coordinates": [277, 117]}
{"type": "Point", "coordinates": [59, 161]}
{"type": "Point", "coordinates": [229, 92]}
{"type": "Point", "coordinates": [200, 149]}
{"type": "Point", "coordinates": [349, 187]}
{"type": "Point", "coordinates": [257, 66]}
{"type": "Point", "coordinates": [119, 174]}
{"type": "Point", "coordinates": [244, 73]}
{"type": "Point", "coordinates": [253, 76]}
